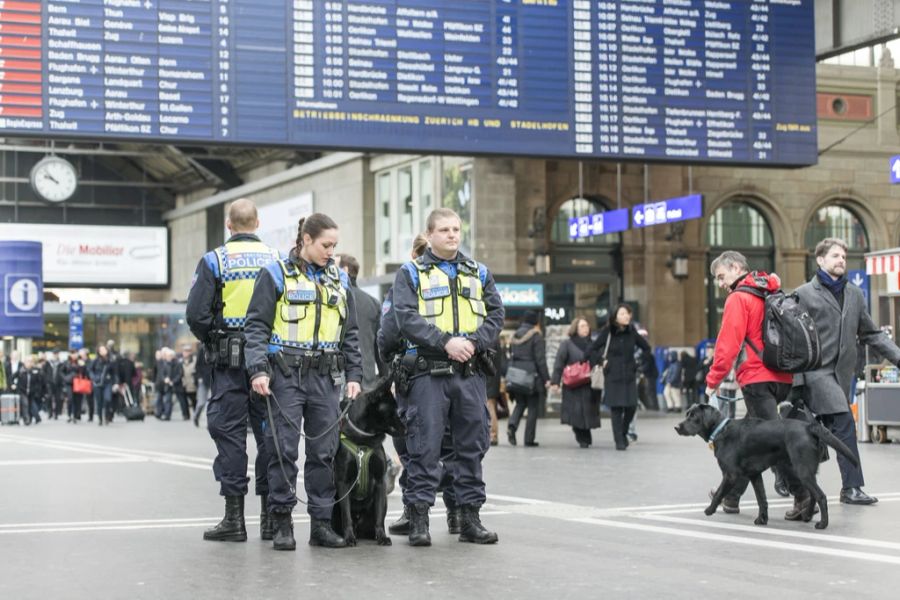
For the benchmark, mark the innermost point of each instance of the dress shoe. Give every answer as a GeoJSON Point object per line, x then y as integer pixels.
{"type": "Point", "coordinates": [632, 437]}
{"type": "Point", "coordinates": [532, 444]}
{"type": "Point", "coordinates": [321, 534]}
{"type": "Point", "coordinates": [418, 525]}
{"type": "Point", "coordinates": [583, 445]}
{"type": "Point", "coordinates": [511, 436]}
{"type": "Point", "coordinates": [231, 528]}
{"type": "Point", "coordinates": [472, 529]}
{"type": "Point", "coordinates": [401, 525]}
{"type": "Point", "coordinates": [856, 496]}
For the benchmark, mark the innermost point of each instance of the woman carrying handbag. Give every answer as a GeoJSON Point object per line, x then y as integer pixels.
{"type": "Point", "coordinates": [580, 407]}
{"type": "Point", "coordinates": [620, 368]}
{"type": "Point", "coordinates": [527, 353]}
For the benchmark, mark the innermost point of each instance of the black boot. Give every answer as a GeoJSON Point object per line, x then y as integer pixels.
{"type": "Point", "coordinates": [401, 525]}
{"type": "Point", "coordinates": [283, 529]}
{"type": "Point", "coordinates": [231, 528]}
{"type": "Point", "coordinates": [321, 534]}
{"type": "Point", "coordinates": [418, 525]}
{"type": "Point", "coordinates": [266, 527]}
{"type": "Point", "coordinates": [472, 529]}
{"type": "Point", "coordinates": [454, 520]}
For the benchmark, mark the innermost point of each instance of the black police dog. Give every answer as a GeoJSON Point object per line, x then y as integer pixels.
{"type": "Point", "coordinates": [371, 416]}
{"type": "Point", "coordinates": [747, 447]}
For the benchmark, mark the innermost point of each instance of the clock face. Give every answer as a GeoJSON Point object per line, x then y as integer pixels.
{"type": "Point", "coordinates": [54, 179]}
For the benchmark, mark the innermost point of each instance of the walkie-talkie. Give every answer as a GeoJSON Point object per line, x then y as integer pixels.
{"type": "Point", "coordinates": [234, 353]}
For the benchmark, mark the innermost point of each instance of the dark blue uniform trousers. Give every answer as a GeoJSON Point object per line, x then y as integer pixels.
{"type": "Point", "coordinates": [313, 403]}
{"type": "Point", "coordinates": [447, 464]}
{"type": "Point", "coordinates": [229, 410]}
{"type": "Point", "coordinates": [433, 404]}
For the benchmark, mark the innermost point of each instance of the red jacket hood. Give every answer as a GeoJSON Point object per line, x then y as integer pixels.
{"type": "Point", "coordinates": [760, 280]}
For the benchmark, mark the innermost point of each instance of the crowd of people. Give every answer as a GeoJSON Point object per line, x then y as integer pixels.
{"type": "Point", "coordinates": [81, 385]}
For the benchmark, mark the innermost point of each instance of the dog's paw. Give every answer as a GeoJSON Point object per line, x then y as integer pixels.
{"type": "Point", "coordinates": [709, 510]}
{"type": "Point", "coordinates": [821, 524]}
{"type": "Point", "coordinates": [762, 520]}
{"type": "Point", "coordinates": [350, 538]}
{"type": "Point", "coordinates": [384, 541]}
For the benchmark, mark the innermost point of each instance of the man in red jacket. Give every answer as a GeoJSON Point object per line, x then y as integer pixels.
{"type": "Point", "coordinates": [742, 320]}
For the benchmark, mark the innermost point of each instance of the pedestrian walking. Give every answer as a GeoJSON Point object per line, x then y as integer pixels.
{"type": "Point", "coordinates": [528, 353]}
{"type": "Point", "coordinates": [620, 338]}
{"type": "Point", "coordinates": [842, 321]}
{"type": "Point", "coordinates": [580, 407]}
{"type": "Point", "coordinates": [742, 323]}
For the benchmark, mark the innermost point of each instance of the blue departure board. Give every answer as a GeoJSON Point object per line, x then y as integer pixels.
{"type": "Point", "coordinates": [679, 80]}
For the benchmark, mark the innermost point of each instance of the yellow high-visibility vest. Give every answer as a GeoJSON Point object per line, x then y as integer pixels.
{"type": "Point", "coordinates": [239, 263]}
{"type": "Point", "coordinates": [310, 314]}
{"type": "Point", "coordinates": [455, 306]}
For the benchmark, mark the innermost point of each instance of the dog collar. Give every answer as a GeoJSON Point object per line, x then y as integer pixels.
{"type": "Point", "coordinates": [357, 429]}
{"type": "Point", "coordinates": [716, 432]}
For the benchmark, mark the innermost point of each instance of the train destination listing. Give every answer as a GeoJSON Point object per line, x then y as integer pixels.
{"type": "Point", "coordinates": [730, 81]}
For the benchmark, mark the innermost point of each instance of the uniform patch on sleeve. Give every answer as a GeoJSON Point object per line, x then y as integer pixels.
{"type": "Point", "coordinates": [194, 278]}
{"type": "Point", "coordinates": [386, 307]}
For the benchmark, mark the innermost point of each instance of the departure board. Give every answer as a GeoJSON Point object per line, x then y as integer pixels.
{"type": "Point", "coordinates": [678, 80]}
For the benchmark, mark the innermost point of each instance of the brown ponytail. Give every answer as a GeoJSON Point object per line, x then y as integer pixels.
{"type": "Point", "coordinates": [313, 225]}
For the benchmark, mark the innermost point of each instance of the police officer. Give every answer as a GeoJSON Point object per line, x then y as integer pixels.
{"type": "Point", "coordinates": [448, 309]}
{"type": "Point", "coordinates": [216, 312]}
{"type": "Point", "coordinates": [301, 341]}
{"type": "Point", "coordinates": [390, 344]}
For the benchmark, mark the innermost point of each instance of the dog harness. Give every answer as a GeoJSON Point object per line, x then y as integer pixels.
{"type": "Point", "coordinates": [716, 432]}
{"type": "Point", "coordinates": [363, 458]}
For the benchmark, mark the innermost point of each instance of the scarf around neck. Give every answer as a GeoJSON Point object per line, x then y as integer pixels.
{"type": "Point", "coordinates": [835, 286]}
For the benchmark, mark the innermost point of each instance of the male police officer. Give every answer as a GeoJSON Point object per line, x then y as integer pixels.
{"type": "Point", "coordinates": [449, 311]}
{"type": "Point", "coordinates": [216, 311]}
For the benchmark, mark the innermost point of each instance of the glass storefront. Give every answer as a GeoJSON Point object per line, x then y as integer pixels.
{"type": "Point", "coordinates": [138, 328]}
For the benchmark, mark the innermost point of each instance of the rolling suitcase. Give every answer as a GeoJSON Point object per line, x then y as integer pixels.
{"type": "Point", "coordinates": [9, 409]}
{"type": "Point", "coordinates": [133, 410]}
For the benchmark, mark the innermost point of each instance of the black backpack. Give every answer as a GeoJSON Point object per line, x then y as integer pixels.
{"type": "Point", "coordinates": [790, 339]}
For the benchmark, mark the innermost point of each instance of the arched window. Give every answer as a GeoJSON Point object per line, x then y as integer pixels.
{"type": "Point", "coordinates": [574, 208]}
{"type": "Point", "coordinates": [737, 226]}
{"type": "Point", "coordinates": [838, 221]}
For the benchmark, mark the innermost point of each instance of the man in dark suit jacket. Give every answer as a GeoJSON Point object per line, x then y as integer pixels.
{"type": "Point", "coordinates": [842, 319]}
{"type": "Point", "coordinates": [368, 318]}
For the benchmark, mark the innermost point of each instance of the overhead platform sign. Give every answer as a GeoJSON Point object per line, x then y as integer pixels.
{"type": "Point", "coordinates": [688, 81]}
{"type": "Point", "coordinates": [668, 211]}
{"type": "Point", "coordinates": [611, 221]}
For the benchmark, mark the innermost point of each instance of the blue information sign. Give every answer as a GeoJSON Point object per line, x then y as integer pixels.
{"type": "Point", "coordinates": [610, 221]}
{"type": "Point", "coordinates": [860, 279]}
{"type": "Point", "coordinates": [521, 294]}
{"type": "Point", "coordinates": [668, 211]}
{"type": "Point", "coordinates": [76, 325]}
{"type": "Point", "coordinates": [687, 81]}
{"type": "Point", "coordinates": [895, 169]}
{"type": "Point", "coordinates": [21, 267]}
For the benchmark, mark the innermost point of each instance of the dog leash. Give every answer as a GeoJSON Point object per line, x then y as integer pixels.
{"type": "Point", "coordinates": [287, 480]}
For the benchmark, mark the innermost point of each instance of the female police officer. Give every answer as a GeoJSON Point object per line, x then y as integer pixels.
{"type": "Point", "coordinates": [301, 337]}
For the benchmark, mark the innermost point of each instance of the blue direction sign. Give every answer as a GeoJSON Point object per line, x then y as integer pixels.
{"type": "Point", "coordinates": [611, 221]}
{"type": "Point", "coordinates": [668, 211]}
{"type": "Point", "coordinates": [76, 325]}
{"type": "Point", "coordinates": [895, 169]}
{"type": "Point", "coordinates": [859, 278]}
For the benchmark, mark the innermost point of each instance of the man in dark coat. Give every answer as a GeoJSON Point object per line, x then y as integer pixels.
{"type": "Point", "coordinates": [839, 311]}
{"type": "Point", "coordinates": [368, 318]}
{"type": "Point", "coordinates": [31, 386]}
{"type": "Point", "coordinates": [528, 352]}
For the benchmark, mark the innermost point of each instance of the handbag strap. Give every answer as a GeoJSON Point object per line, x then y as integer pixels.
{"type": "Point", "coordinates": [605, 350]}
